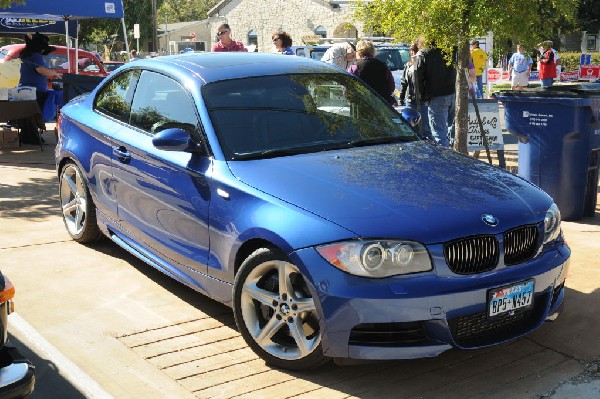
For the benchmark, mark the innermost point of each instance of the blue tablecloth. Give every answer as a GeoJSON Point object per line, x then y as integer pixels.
{"type": "Point", "coordinates": [54, 99]}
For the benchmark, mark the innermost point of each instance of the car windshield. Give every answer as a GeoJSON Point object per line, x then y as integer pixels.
{"type": "Point", "coordinates": [318, 53]}
{"type": "Point", "coordinates": [391, 56]}
{"type": "Point", "coordinates": [111, 66]}
{"type": "Point", "coordinates": [270, 116]}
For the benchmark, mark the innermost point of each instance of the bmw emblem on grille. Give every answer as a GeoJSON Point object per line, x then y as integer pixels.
{"type": "Point", "coordinates": [489, 219]}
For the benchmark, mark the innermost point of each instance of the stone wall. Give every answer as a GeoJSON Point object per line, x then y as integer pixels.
{"type": "Point", "coordinates": [297, 17]}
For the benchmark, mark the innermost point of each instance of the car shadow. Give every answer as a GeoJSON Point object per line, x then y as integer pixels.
{"type": "Point", "coordinates": [527, 367]}
{"type": "Point", "coordinates": [534, 365]}
{"type": "Point", "coordinates": [49, 383]}
{"type": "Point", "coordinates": [194, 298]}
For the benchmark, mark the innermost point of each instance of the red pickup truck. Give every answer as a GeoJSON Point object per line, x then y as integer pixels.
{"type": "Point", "coordinates": [87, 63]}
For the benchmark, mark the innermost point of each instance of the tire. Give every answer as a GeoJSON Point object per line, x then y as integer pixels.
{"type": "Point", "coordinates": [78, 209]}
{"type": "Point", "coordinates": [279, 321]}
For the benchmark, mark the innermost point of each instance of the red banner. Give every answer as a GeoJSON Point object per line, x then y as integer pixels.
{"type": "Point", "coordinates": [589, 72]}
{"type": "Point", "coordinates": [571, 76]}
{"type": "Point", "coordinates": [494, 74]}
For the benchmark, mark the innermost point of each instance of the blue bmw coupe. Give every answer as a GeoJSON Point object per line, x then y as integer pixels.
{"type": "Point", "coordinates": [290, 191]}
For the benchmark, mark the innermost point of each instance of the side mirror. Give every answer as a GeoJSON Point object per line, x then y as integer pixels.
{"type": "Point", "coordinates": [173, 139]}
{"type": "Point", "coordinates": [410, 115]}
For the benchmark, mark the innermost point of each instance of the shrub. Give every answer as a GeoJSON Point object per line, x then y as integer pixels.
{"type": "Point", "coordinates": [570, 60]}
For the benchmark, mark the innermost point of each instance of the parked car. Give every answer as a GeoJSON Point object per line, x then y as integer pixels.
{"type": "Point", "coordinates": [313, 52]}
{"type": "Point", "coordinates": [288, 190]}
{"type": "Point", "coordinates": [395, 56]}
{"type": "Point", "coordinates": [112, 65]}
{"type": "Point", "coordinates": [87, 64]}
{"type": "Point", "coordinates": [17, 374]}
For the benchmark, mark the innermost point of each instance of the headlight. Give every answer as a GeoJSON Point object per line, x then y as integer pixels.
{"type": "Point", "coordinates": [377, 258]}
{"type": "Point", "coordinates": [551, 223]}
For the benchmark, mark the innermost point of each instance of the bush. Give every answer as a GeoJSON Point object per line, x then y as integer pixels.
{"type": "Point", "coordinates": [570, 60]}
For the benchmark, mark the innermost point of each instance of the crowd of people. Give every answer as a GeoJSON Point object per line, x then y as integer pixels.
{"type": "Point", "coordinates": [428, 82]}
{"type": "Point", "coordinates": [427, 85]}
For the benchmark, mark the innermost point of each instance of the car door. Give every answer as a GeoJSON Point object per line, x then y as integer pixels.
{"type": "Point", "coordinates": [109, 116]}
{"type": "Point", "coordinates": [163, 196]}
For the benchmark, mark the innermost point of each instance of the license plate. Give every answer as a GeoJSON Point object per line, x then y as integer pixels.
{"type": "Point", "coordinates": [510, 298]}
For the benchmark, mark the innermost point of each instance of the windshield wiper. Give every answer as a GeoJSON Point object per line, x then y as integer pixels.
{"type": "Point", "coordinates": [380, 140]}
{"type": "Point", "coordinates": [275, 152]}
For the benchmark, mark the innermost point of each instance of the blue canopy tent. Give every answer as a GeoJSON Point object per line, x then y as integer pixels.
{"type": "Point", "coordinates": [16, 27]}
{"type": "Point", "coordinates": [67, 10]}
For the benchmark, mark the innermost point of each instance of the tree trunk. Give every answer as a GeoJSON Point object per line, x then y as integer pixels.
{"type": "Point", "coordinates": [461, 117]}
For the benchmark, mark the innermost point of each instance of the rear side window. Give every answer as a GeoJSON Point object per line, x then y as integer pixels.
{"type": "Point", "coordinates": [160, 103]}
{"type": "Point", "coordinates": [114, 99]}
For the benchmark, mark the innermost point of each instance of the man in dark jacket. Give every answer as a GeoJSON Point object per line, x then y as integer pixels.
{"type": "Point", "coordinates": [436, 80]}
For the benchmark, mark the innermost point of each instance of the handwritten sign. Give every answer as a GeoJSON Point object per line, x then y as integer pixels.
{"type": "Point", "coordinates": [490, 117]}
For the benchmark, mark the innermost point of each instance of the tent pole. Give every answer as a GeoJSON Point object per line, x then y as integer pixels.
{"type": "Point", "coordinates": [125, 37]}
{"type": "Point", "coordinates": [77, 55]}
{"type": "Point", "coordinates": [68, 42]}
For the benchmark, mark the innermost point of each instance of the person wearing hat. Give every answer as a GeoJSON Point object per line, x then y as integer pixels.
{"type": "Point", "coordinates": [342, 55]}
{"type": "Point", "coordinates": [546, 64]}
{"type": "Point", "coordinates": [35, 73]}
{"type": "Point", "coordinates": [479, 57]}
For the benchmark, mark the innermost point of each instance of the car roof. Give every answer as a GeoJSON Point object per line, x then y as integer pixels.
{"type": "Point", "coordinates": [212, 67]}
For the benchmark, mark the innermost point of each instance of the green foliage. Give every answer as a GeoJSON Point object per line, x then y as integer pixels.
{"type": "Point", "coordinates": [184, 10]}
{"type": "Point", "coordinates": [451, 24]}
{"type": "Point", "coordinates": [8, 3]}
{"type": "Point", "coordinates": [108, 31]}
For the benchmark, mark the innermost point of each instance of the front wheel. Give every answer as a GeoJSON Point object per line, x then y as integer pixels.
{"type": "Point", "coordinates": [78, 210]}
{"type": "Point", "coordinates": [276, 313]}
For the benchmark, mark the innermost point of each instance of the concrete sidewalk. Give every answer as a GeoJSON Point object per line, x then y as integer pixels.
{"type": "Point", "coordinates": [137, 333]}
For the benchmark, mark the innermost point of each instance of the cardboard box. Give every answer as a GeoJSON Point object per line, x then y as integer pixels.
{"type": "Point", "coordinates": [9, 139]}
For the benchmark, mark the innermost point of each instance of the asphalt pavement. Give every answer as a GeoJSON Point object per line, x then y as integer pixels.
{"type": "Point", "coordinates": [98, 323]}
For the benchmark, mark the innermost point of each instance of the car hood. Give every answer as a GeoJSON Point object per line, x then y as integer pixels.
{"type": "Point", "coordinates": [412, 190]}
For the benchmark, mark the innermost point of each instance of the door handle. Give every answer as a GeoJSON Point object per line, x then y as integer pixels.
{"type": "Point", "coordinates": [122, 154]}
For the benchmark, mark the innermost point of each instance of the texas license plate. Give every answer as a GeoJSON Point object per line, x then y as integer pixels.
{"type": "Point", "coordinates": [510, 298]}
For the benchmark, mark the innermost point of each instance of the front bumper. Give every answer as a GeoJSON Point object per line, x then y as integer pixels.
{"type": "Point", "coordinates": [17, 374]}
{"type": "Point", "coordinates": [424, 314]}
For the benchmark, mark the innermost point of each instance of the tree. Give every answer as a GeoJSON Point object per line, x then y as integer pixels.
{"type": "Point", "coordinates": [453, 23]}
{"type": "Point", "coordinates": [589, 16]}
{"type": "Point", "coordinates": [185, 10]}
{"type": "Point", "coordinates": [106, 31]}
{"type": "Point", "coordinates": [8, 3]}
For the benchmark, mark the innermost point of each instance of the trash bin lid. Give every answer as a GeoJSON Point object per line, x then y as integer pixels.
{"type": "Point", "coordinates": [583, 90]}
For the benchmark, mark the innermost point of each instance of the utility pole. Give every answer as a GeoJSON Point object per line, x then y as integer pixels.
{"type": "Point", "coordinates": [154, 26]}
{"type": "Point", "coordinates": [168, 37]}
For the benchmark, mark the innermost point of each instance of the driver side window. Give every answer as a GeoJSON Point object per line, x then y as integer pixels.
{"type": "Point", "coordinates": [160, 103]}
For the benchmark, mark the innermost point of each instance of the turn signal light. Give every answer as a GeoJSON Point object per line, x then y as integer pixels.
{"type": "Point", "coordinates": [8, 292]}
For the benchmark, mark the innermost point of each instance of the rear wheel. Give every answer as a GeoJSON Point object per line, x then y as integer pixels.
{"type": "Point", "coordinates": [78, 210]}
{"type": "Point", "coordinates": [276, 313]}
